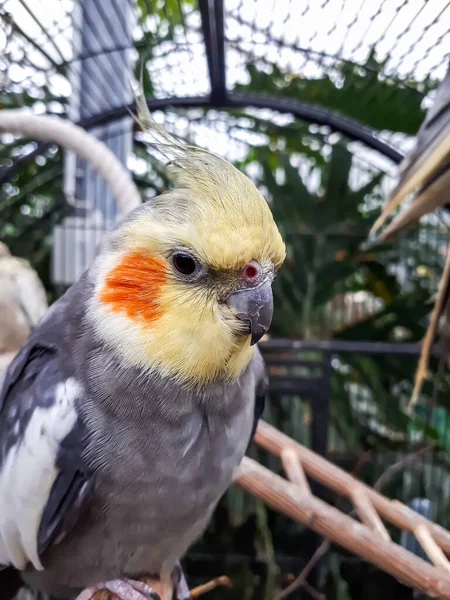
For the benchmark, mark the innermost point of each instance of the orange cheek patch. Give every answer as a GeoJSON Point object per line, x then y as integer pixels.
{"type": "Point", "coordinates": [133, 286]}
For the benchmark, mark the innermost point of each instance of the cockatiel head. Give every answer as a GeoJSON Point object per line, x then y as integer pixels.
{"type": "Point", "coordinates": [183, 285]}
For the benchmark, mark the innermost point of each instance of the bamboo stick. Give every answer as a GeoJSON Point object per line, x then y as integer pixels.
{"type": "Point", "coordinates": [328, 521]}
{"type": "Point", "coordinates": [368, 514]}
{"type": "Point", "coordinates": [293, 467]}
{"type": "Point", "coordinates": [335, 478]}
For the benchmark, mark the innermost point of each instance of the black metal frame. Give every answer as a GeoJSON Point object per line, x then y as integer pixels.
{"type": "Point", "coordinates": [317, 389]}
{"type": "Point", "coordinates": [302, 110]}
{"type": "Point", "coordinates": [338, 346]}
{"type": "Point", "coordinates": [212, 15]}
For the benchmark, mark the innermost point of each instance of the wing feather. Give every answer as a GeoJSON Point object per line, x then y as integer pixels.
{"type": "Point", "coordinates": [37, 414]}
{"type": "Point", "coordinates": [261, 391]}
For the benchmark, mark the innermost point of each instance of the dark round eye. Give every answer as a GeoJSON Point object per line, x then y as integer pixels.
{"type": "Point", "coordinates": [184, 263]}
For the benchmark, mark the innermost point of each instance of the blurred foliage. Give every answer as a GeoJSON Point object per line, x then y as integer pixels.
{"type": "Point", "coordinates": [324, 198]}
{"type": "Point", "coordinates": [338, 87]}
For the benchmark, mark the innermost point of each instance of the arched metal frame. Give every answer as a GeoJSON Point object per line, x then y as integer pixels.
{"type": "Point", "coordinates": [302, 110]}
{"type": "Point", "coordinates": [212, 17]}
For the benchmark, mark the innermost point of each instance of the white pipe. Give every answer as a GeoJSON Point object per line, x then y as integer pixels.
{"type": "Point", "coordinates": [64, 133]}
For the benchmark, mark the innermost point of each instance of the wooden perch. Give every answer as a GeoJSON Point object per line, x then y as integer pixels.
{"type": "Point", "coordinates": [438, 308]}
{"type": "Point", "coordinates": [328, 521]}
{"type": "Point", "coordinates": [341, 482]}
{"type": "Point", "coordinates": [297, 502]}
{"type": "Point", "coordinates": [211, 585]}
{"type": "Point", "coordinates": [165, 589]}
{"type": "Point", "coordinates": [368, 514]}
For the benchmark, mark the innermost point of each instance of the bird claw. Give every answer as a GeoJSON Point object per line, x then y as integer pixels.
{"type": "Point", "coordinates": [129, 589]}
{"type": "Point", "coordinates": [125, 589]}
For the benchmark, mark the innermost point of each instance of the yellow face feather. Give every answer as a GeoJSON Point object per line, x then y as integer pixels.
{"type": "Point", "coordinates": [221, 212]}
{"type": "Point", "coordinates": [152, 317]}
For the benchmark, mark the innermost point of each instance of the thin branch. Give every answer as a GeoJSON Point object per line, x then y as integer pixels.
{"type": "Point", "coordinates": [211, 585]}
{"type": "Point", "coordinates": [392, 469]}
{"type": "Point", "coordinates": [341, 529]}
{"type": "Point", "coordinates": [422, 367]}
{"type": "Point", "coordinates": [338, 480]}
{"type": "Point", "coordinates": [300, 581]}
{"type": "Point", "coordinates": [313, 592]}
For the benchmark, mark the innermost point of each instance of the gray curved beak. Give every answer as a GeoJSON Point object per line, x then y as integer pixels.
{"type": "Point", "coordinates": [254, 306]}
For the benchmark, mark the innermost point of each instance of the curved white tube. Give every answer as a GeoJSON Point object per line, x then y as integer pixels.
{"type": "Point", "coordinates": [64, 133]}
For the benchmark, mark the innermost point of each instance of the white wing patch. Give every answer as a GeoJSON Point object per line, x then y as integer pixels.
{"type": "Point", "coordinates": [28, 474]}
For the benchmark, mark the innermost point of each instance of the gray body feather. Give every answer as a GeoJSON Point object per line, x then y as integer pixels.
{"type": "Point", "coordinates": [155, 456]}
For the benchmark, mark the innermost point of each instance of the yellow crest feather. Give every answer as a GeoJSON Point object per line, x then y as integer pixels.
{"type": "Point", "coordinates": [229, 217]}
{"type": "Point", "coordinates": [218, 213]}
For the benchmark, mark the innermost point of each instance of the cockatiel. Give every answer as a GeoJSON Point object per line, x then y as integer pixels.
{"type": "Point", "coordinates": [125, 415]}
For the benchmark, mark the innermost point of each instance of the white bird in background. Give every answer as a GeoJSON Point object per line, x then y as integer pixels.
{"type": "Point", "coordinates": [22, 303]}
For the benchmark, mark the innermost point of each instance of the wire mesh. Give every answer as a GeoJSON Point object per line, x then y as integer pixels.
{"type": "Point", "coordinates": [363, 47]}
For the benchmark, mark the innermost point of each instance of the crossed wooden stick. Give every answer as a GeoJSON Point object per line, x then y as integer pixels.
{"type": "Point", "coordinates": [368, 538]}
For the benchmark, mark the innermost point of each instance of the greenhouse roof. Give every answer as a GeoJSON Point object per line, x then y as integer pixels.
{"type": "Point", "coordinates": [323, 61]}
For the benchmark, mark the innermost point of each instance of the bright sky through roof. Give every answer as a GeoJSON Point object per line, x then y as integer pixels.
{"type": "Point", "coordinates": [413, 36]}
